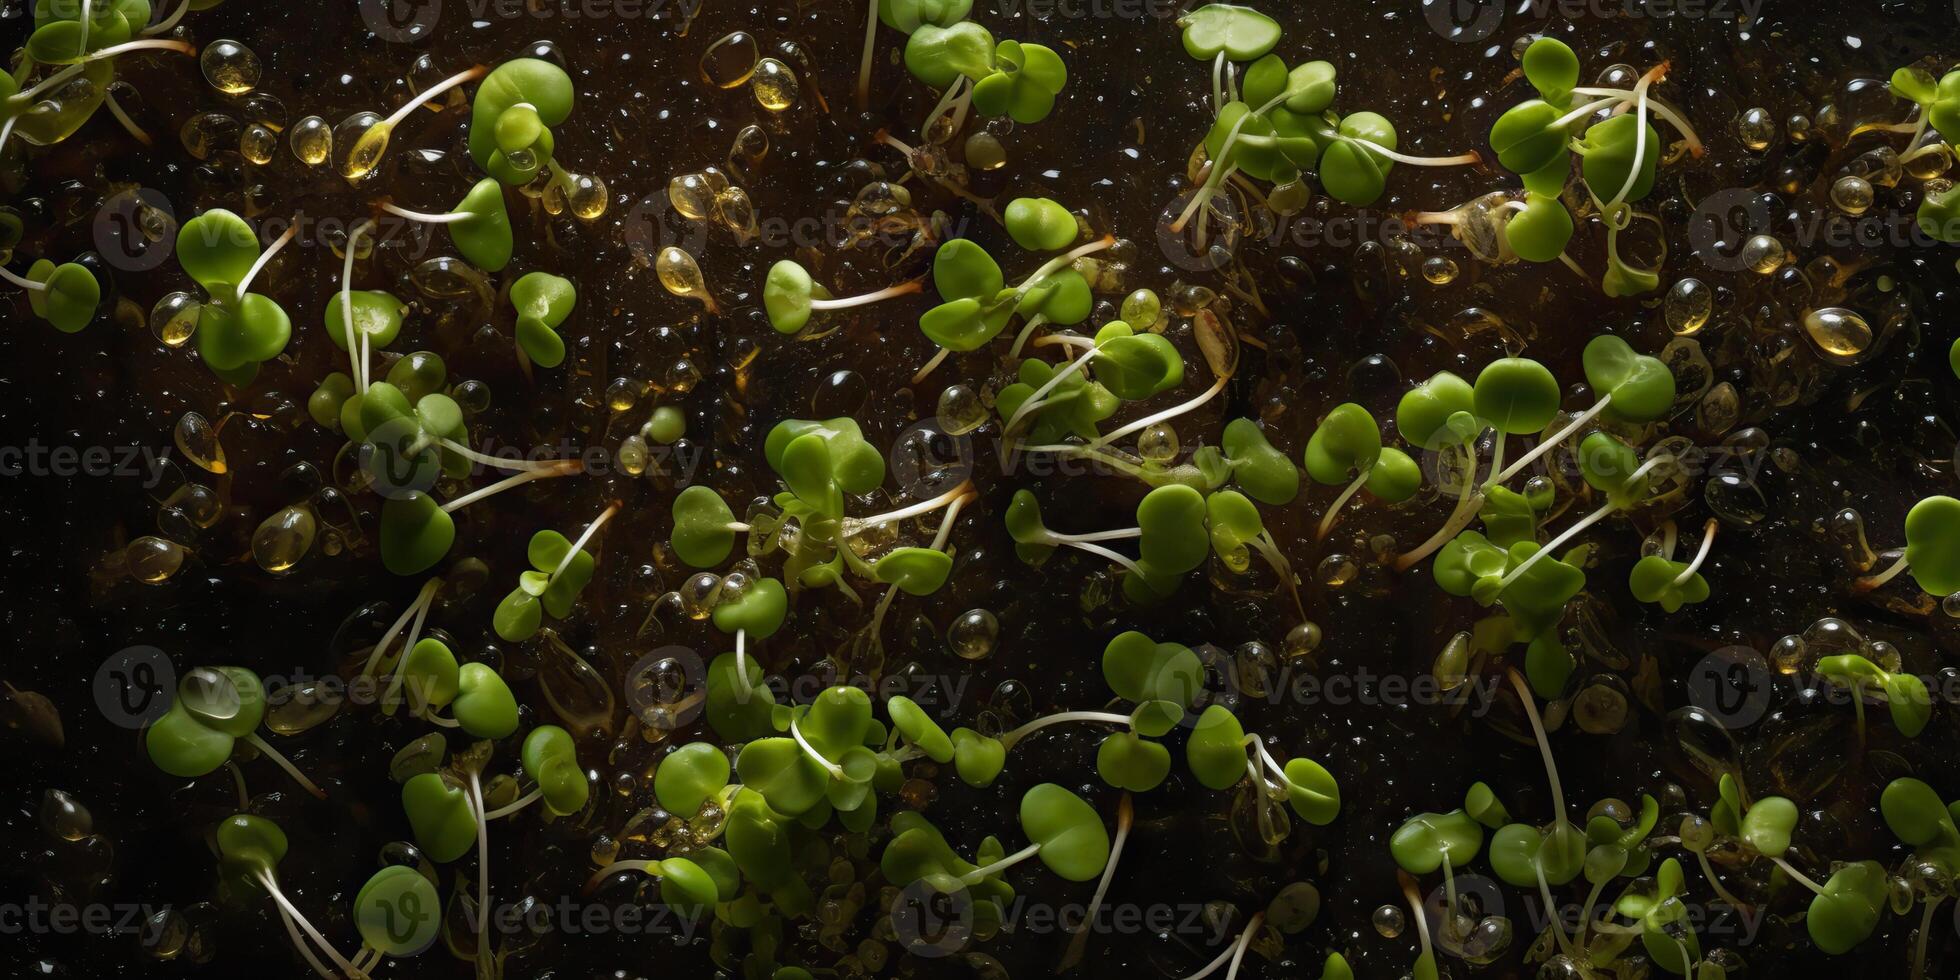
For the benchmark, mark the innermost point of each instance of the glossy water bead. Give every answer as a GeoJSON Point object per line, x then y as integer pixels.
{"type": "Point", "coordinates": [1852, 194]}
{"type": "Point", "coordinates": [1755, 128]}
{"type": "Point", "coordinates": [1688, 305]}
{"type": "Point", "coordinates": [774, 85]}
{"type": "Point", "coordinates": [730, 61]}
{"type": "Point", "coordinates": [1840, 335]}
{"type": "Point", "coordinates": [197, 439]}
{"type": "Point", "coordinates": [283, 539]}
{"type": "Point", "coordinates": [173, 320]}
{"type": "Point", "coordinates": [257, 144]}
{"type": "Point", "coordinates": [312, 140]}
{"type": "Point", "coordinates": [681, 275]}
{"type": "Point", "coordinates": [1763, 254]}
{"type": "Point", "coordinates": [960, 410]}
{"type": "Point", "coordinates": [230, 67]}
{"type": "Point", "coordinates": [973, 635]}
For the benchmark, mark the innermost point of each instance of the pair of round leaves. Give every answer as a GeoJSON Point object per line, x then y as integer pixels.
{"type": "Point", "coordinates": [551, 757]}
{"type": "Point", "coordinates": [484, 234]}
{"type": "Point", "coordinates": [758, 611]}
{"type": "Point", "coordinates": [1263, 472]}
{"type": "Point", "coordinates": [521, 98]}
{"type": "Point", "coordinates": [1142, 670]}
{"type": "Point", "coordinates": [1024, 83]}
{"type": "Point", "coordinates": [1426, 840]}
{"type": "Point", "coordinates": [1353, 173]}
{"type": "Point", "coordinates": [787, 292]}
{"type": "Point", "coordinates": [1273, 146]}
{"type": "Point", "coordinates": [1039, 224]}
{"type": "Point", "coordinates": [1073, 407]}
{"type": "Point", "coordinates": [416, 533]}
{"type": "Point", "coordinates": [543, 301]}
{"type": "Point", "coordinates": [1849, 908]}
{"type": "Point", "coordinates": [375, 315]}
{"type": "Point", "coordinates": [1540, 232]}
{"type": "Point", "coordinates": [61, 38]}
{"type": "Point", "coordinates": [1658, 580]}
{"type": "Point", "coordinates": [398, 911]}
{"type": "Point", "coordinates": [1074, 844]}
{"type": "Point", "coordinates": [1135, 366]}
{"type": "Point", "coordinates": [1906, 697]}
{"type": "Point", "coordinates": [1234, 524]}
{"type": "Point", "coordinates": [213, 708]}
{"type": "Point", "coordinates": [1240, 33]}
{"type": "Point", "coordinates": [440, 816]}
{"type": "Point", "coordinates": [856, 466]}
{"type": "Point", "coordinates": [1933, 544]}
{"type": "Point", "coordinates": [1640, 386]}
{"type": "Point", "coordinates": [1939, 218]}
{"type": "Point", "coordinates": [249, 847]}
{"type": "Point", "coordinates": [1916, 815]}
{"type": "Point", "coordinates": [738, 711]}
{"type": "Point", "coordinates": [1519, 853]}
{"type": "Point", "coordinates": [1438, 412]}
{"type": "Point", "coordinates": [909, 15]}
{"type": "Point", "coordinates": [915, 571]}
{"type": "Point", "coordinates": [1349, 441]}
{"type": "Point", "coordinates": [938, 56]}
{"type": "Point", "coordinates": [704, 527]}
{"type": "Point", "coordinates": [68, 297]}
{"type": "Point", "coordinates": [1610, 466]}
{"type": "Point", "coordinates": [235, 332]}
{"type": "Point", "coordinates": [415, 376]}
{"type": "Point", "coordinates": [976, 306]}
{"type": "Point", "coordinates": [689, 776]}
{"type": "Point", "coordinates": [551, 586]}
{"type": "Point", "coordinates": [1606, 157]}
{"type": "Point", "coordinates": [1515, 395]}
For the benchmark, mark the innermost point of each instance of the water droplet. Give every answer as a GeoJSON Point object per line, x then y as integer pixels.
{"type": "Point", "coordinates": [1735, 499]}
{"type": "Point", "coordinates": [1852, 195]}
{"type": "Point", "coordinates": [1389, 921]}
{"type": "Point", "coordinates": [1928, 161]}
{"type": "Point", "coordinates": [301, 707]}
{"type": "Point", "coordinates": [230, 67]}
{"type": "Point", "coordinates": [737, 212]}
{"type": "Point", "coordinates": [983, 151]}
{"type": "Point", "coordinates": [1158, 443]}
{"type": "Point", "coordinates": [152, 560]}
{"type": "Point", "coordinates": [585, 195]}
{"type": "Point", "coordinates": [1336, 570]}
{"type": "Point", "coordinates": [633, 455]}
{"type": "Point", "coordinates": [283, 539]}
{"type": "Point", "coordinates": [691, 196]}
{"type": "Point", "coordinates": [700, 594]}
{"type": "Point", "coordinates": [960, 410]}
{"type": "Point", "coordinates": [1755, 128]}
{"type": "Point", "coordinates": [63, 817]}
{"type": "Point", "coordinates": [361, 140]}
{"type": "Point", "coordinates": [1600, 708]}
{"type": "Point", "coordinates": [174, 319]}
{"type": "Point", "coordinates": [1439, 270]}
{"type": "Point", "coordinates": [1142, 310]}
{"type": "Point", "coordinates": [1763, 254]}
{"type": "Point", "coordinates": [622, 394]}
{"type": "Point", "coordinates": [1303, 639]}
{"type": "Point", "coordinates": [208, 133]}
{"type": "Point", "coordinates": [681, 276]}
{"type": "Point", "coordinates": [730, 60]}
{"type": "Point", "coordinates": [973, 634]}
{"type": "Point", "coordinates": [774, 85]}
{"type": "Point", "coordinates": [1719, 409]}
{"type": "Point", "coordinates": [1841, 336]}
{"type": "Point", "coordinates": [257, 144]}
{"type": "Point", "coordinates": [1951, 606]}
{"type": "Point", "coordinates": [197, 439]}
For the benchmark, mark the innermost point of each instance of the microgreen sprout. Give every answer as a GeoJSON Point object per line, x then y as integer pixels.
{"type": "Point", "coordinates": [1349, 441]}
{"type": "Point", "coordinates": [1905, 694]}
{"type": "Point", "coordinates": [214, 709]}
{"type": "Point", "coordinates": [1916, 816]}
{"type": "Point", "coordinates": [977, 306]}
{"type": "Point", "coordinates": [237, 329]}
{"type": "Point", "coordinates": [65, 295]}
{"type": "Point", "coordinates": [479, 224]}
{"type": "Point", "coordinates": [83, 43]}
{"type": "Point", "coordinates": [791, 296]}
{"type": "Point", "coordinates": [249, 850]}
{"type": "Point", "coordinates": [1672, 584]}
{"type": "Point", "coordinates": [511, 118]}
{"type": "Point", "coordinates": [542, 301]}
{"type": "Point", "coordinates": [365, 155]}
{"type": "Point", "coordinates": [1217, 754]}
{"type": "Point", "coordinates": [1932, 551]}
{"type": "Point", "coordinates": [560, 570]}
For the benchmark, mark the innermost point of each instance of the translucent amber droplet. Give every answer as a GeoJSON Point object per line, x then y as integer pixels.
{"type": "Point", "coordinates": [197, 439]}
{"type": "Point", "coordinates": [774, 85]}
{"type": "Point", "coordinates": [257, 144]}
{"type": "Point", "coordinates": [174, 319]}
{"type": "Point", "coordinates": [737, 211]}
{"type": "Point", "coordinates": [960, 410]}
{"type": "Point", "coordinates": [283, 539]}
{"type": "Point", "coordinates": [1840, 335]}
{"type": "Point", "coordinates": [152, 560]}
{"type": "Point", "coordinates": [633, 455]}
{"type": "Point", "coordinates": [681, 276]}
{"type": "Point", "coordinates": [364, 139]}
{"type": "Point", "coordinates": [1687, 307]}
{"type": "Point", "coordinates": [312, 141]}
{"type": "Point", "coordinates": [208, 133]}
{"type": "Point", "coordinates": [691, 196]}
{"type": "Point", "coordinates": [230, 67]}
{"type": "Point", "coordinates": [729, 61]}
{"type": "Point", "coordinates": [585, 195]}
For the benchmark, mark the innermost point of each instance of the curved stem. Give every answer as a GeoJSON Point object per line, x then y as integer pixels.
{"type": "Point", "coordinates": [979, 875]}
{"type": "Point", "coordinates": [1587, 521]}
{"type": "Point", "coordinates": [245, 284]}
{"type": "Point", "coordinates": [395, 682]}
{"type": "Point", "coordinates": [482, 876]}
{"type": "Point", "coordinates": [422, 599]}
{"type": "Point", "coordinates": [446, 218]}
{"type": "Point", "coordinates": [301, 944]}
{"type": "Point", "coordinates": [122, 118]}
{"type": "Point", "coordinates": [497, 462]}
{"type": "Point", "coordinates": [1218, 83]}
{"type": "Point", "coordinates": [286, 906]}
{"type": "Point", "coordinates": [1060, 262]}
{"type": "Point", "coordinates": [1125, 816]}
{"type": "Point", "coordinates": [1544, 744]}
{"type": "Point", "coordinates": [1419, 914]}
{"type": "Point", "coordinates": [579, 545]}
{"type": "Point", "coordinates": [1167, 414]}
{"type": "Point", "coordinates": [864, 63]}
{"type": "Point", "coordinates": [1118, 534]}
{"type": "Point", "coordinates": [237, 782]}
{"type": "Point", "coordinates": [1639, 133]}
{"type": "Point", "coordinates": [946, 499]}
{"type": "Point", "coordinates": [1098, 457]}
{"type": "Point", "coordinates": [28, 95]}
{"type": "Point", "coordinates": [902, 289]}
{"type": "Point", "coordinates": [1033, 401]}
{"type": "Point", "coordinates": [282, 762]}
{"type": "Point", "coordinates": [1870, 582]}
{"type": "Point", "coordinates": [1027, 331]}
{"type": "Point", "coordinates": [21, 281]}
{"type": "Point", "coordinates": [946, 100]}
{"type": "Point", "coordinates": [1268, 549]}
{"type": "Point", "coordinates": [931, 365]}
{"type": "Point", "coordinates": [461, 77]}
{"type": "Point", "coordinates": [1798, 876]}
{"type": "Point", "coordinates": [356, 353]}
{"type": "Point", "coordinates": [1468, 499]}
{"type": "Point", "coordinates": [1459, 160]}
{"type": "Point", "coordinates": [836, 771]}
{"type": "Point", "coordinates": [1552, 909]}
{"type": "Point", "coordinates": [1334, 510]}
{"type": "Point", "coordinates": [1008, 740]}
{"type": "Point", "coordinates": [1708, 871]}
{"type": "Point", "coordinates": [1095, 549]}
{"type": "Point", "coordinates": [1707, 543]}
{"type": "Point", "coordinates": [169, 23]}
{"type": "Point", "coordinates": [1582, 112]}
{"type": "Point", "coordinates": [523, 801]}
{"type": "Point", "coordinates": [1925, 928]}
{"type": "Point", "coordinates": [1661, 111]}
{"type": "Point", "coordinates": [564, 467]}
{"type": "Point", "coordinates": [1550, 444]}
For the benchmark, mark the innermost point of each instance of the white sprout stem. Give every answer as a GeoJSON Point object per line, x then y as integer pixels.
{"type": "Point", "coordinates": [864, 62]}
{"type": "Point", "coordinates": [7, 129]}
{"type": "Point", "coordinates": [244, 285]}
{"type": "Point", "coordinates": [1660, 109]}
{"type": "Point", "coordinates": [1459, 160]}
{"type": "Point", "coordinates": [1119, 534]}
{"type": "Point", "coordinates": [1125, 817]}
{"type": "Point", "coordinates": [523, 801]}
{"type": "Point", "coordinates": [946, 100]}
{"type": "Point", "coordinates": [169, 23]}
{"type": "Point", "coordinates": [1578, 526]}
{"type": "Point", "coordinates": [1008, 740]}
{"type": "Point", "coordinates": [1798, 876]}
{"type": "Point", "coordinates": [272, 888]}
{"type": "Point", "coordinates": [21, 281]}
{"type": "Point", "coordinates": [1218, 84]}
{"type": "Point", "coordinates": [579, 545]}
{"type": "Point", "coordinates": [836, 771]}
{"type": "Point", "coordinates": [83, 45]}
{"type": "Point", "coordinates": [1871, 582]}
{"type": "Point", "coordinates": [1279, 771]}
{"type": "Point", "coordinates": [1707, 544]}
{"type": "Point", "coordinates": [1639, 134]}
{"type": "Point", "coordinates": [1553, 443]}
{"type": "Point", "coordinates": [1212, 967]}
{"type": "Point", "coordinates": [1027, 330]}
{"type": "Point", "coordinates": [902, 289]}
{"type": "Point", "coordinates": [1468, 499]}
{"type": "Point", "coordinates": [482, 871]}
{"type": "Point", "coordinates": [945, 532]}
{"type": "Point", "coordinates": [741, 663]}
{"type": "Point", "coordinates": [446, 218]}
{"type": "Point", "coordinates": [422, 599]}
{"type": "Point", "coordinates": [283, 763]}
{"type": "Point", "coordinates": [445, 85]}
{"type": "Point", "coordinates": [1708, 871]}
{"type": "Point", "coordinates": [932, 365]}
{"type": "Point", "coordinates": [913, 510]}
{"type": "Point", "coordinates": [564, 468]}
{"type": "Point", "coordinates": [302, 944]}
{"type": "Point", "coordinates": [1082, 451]}
{"type": "Point", "coordinates": [496, 462]}
{"type": "Point", "coordinates": [1553, 911]}
{"type": "Point", "coordinates": [398, 678]}
{"type": "Point", "coordinates": [1585, 913]}
{"type": "Point", "coordinates": [30, 94]}
{"type": "Point", "coordinates": [1219, 171]}
{"type": "Point", "coordinates": [1063, 340]}
{"type": "Point", "coordinates": [1263, 542]}
{"type": "Point", "coordinates": [1334, 510]}
{"type": "Point", "coordinates": [1060, 262]}
{"type": "Point", "coordinates": [978, 875]}
{"type": "Point", "coordinates": [368, 958]}
{"type": "Point", "coordinates": [1170, 413]}
{"type": "Point", "coordinates": [1544, 744]}
{"type": "Point", "coordinates": [1245, 941]}
{"type": "Point", "coordinates": [1583, 111]}
{"type": "Point", "coordinates": [237, 782]}
{"type": "Point", "coordinates": [122, 118]}
{"type": "Point", "coordinates": [1096, 549]}
{"type": "Point", "coordinates": [1421, 915]}
{"type": "Point", "coordinates": [1919, 947]}
{"type": "Point", "coordinates": [1668, 539]}
{"type": "Point", "coordinates": [356, 353]}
